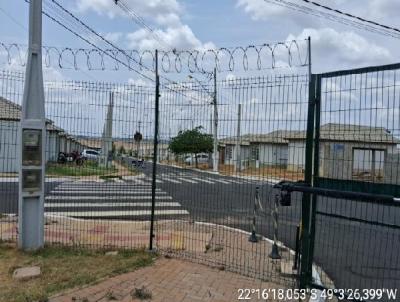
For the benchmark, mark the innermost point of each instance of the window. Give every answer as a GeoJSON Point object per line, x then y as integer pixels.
{"type": "Point", "coordinates": [255, 152]}
{"type": "Point", "coordinates": [368, 164]}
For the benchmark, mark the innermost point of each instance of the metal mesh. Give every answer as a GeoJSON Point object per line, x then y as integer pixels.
{"type": "Point", "coordinates": [357, 242]}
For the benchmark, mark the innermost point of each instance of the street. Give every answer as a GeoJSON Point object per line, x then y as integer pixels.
{"type": "Point", "coordinates": [353, 254]}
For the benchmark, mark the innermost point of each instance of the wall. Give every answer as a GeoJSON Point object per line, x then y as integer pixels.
{"type": "Point", "coordinates": [273, 154]}
{"type": "Point", "coordinates": [296, 156]}
{"type": "Point", "coordinates": [392, 169]}
{"type": "Point", "coordinates": [338, 161]}
{"type": "Point", "coordinates": [8, 146]}
{"type": "Point", "coordinates": [52, 146]}
{"type": "Point", "coordinates": [244, 155]}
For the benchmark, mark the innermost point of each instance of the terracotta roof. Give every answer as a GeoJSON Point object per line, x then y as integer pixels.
{"type": "Point", "coordinates": [274, 137]}
{"type": "Point", "coordinates": [9, 111]}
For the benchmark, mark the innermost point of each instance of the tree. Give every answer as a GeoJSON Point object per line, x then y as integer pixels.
{"type": "Point", "coordinates": [191, 141]}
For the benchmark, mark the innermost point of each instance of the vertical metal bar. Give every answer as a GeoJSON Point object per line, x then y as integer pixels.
{"type": "Point", "coordinates": [317, 125]}
{"type": "Point", "coordinates": [305, 273]}
{"type": "Point", "coordinates": [155, 148]}
{"type": "Point", "coordinates": [215, 130]}
{"type": "Point", "coordinates": [237, 147]}
{"type": "Point", "coordinates": [32, 141]}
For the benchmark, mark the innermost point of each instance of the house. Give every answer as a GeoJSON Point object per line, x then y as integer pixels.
{"type": "Point", "coordinates": [257, 150]}
{"type": "Point", "coordinates": [56, 138]}
{"type": "Point", "coordinates": [346, 151]}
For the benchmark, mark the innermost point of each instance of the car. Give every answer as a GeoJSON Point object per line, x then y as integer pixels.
{"type": "Point", "coordinates": [90, 154]}
{"type": "Point", "coordinates": [202, 158]}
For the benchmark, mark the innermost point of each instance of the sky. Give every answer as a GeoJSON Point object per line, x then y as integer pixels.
{"type": "Point", "coordinates": [201, 25]}
{"type": "Point", "coordinates": [209, 24]}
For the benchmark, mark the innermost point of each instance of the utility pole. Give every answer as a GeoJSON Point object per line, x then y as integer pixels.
{"type": "Point", "coordinates": [215, 132]}
{"type": "Point", "coordinates": [237, 147]}
{"type": "Point", "coordinates": [31, 140]}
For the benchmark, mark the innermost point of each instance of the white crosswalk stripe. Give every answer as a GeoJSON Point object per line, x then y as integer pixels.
{"type": "Point", "coordinates": [110, 199]}
{"type": "Point", "coordinates": [187, 180]}
{"type": "Point", "coordinates": [171, 180]}
{"type": "Point", "coordinates": [203, 180]}
{"type": "Point", "coordinates": [190, 177]}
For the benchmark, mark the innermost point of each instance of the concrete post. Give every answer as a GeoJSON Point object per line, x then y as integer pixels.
{"type": "Point", "coordinates": [107, 133]}
{"type": "Point", "coordinates": [32, 140]}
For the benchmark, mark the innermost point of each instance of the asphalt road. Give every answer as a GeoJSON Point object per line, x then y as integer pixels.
{"type": "Point", "coordinates": [354, 254]}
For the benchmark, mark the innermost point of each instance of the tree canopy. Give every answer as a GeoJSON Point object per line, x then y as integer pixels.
{"type": "Point", "coordinates": [191, 141]}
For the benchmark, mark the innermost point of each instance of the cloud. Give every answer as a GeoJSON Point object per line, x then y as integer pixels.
{"type": "Point", "coordinates": [138, 82]}
{"type": "Point", "coordinates": [383, 9]}
{"type": "Point", "coordinates": [261, 10]}
{"type": "Point", "coordinates": [168, 31]}
{"type": "Point", "coordinates": [181, 37]}
{"type": "Point", "coordinates": [343, 49]}
{"type": "Point", "coordinates": [114, 37]}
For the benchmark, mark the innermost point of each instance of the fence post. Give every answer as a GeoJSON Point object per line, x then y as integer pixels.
{"type": "Point", "coordinates": [316, 167]}
{"type": "Point", "coordinates": [305, 272]}
{"type": "Point", "coordinates": [155, 150]}
{"type": "Point", "coordinates": [215, 128]}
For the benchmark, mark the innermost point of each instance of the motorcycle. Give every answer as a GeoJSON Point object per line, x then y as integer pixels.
{"type": "Point", "coordinates": [74, 156]}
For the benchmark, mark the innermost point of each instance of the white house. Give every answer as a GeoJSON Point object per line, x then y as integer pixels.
{"type": "Point", "coordinates": [10, 114]}
{"type": "Point", "coordinates": [346, 151]}
{"type": "Point", "coordinates": [257, 150]}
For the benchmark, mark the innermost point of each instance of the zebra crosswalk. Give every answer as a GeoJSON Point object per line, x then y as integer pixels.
{"type": "Point", "coordinates": [119, 200]}
{"type": "Point", "coordinates": [191, 178]}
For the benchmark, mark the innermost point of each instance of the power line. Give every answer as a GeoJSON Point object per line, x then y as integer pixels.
{"type": "Point", "coordinates": [141, 22]}
{"type": "Point", "coordinates": [26, 30]}
{"type": "Point", "coordinates": [352, 16]}
{"type": "Point", "coordinates": [333, 17]}
{"type": "Point", "coordinates": [92, 31]}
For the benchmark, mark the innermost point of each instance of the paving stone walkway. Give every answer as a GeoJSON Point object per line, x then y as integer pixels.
{"type": "Point", "coordinates": [169, 280]}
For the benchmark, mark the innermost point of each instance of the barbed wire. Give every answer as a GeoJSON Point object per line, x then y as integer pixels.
{"type": "Point", "coordinates": [226, 59]}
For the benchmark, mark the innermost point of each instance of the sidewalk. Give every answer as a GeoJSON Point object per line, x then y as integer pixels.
{"type": "Point", "coordinates": [168, 280]}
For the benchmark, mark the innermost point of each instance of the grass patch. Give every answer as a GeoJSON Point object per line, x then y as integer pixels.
{"type": "Point", "coordinates": [62, 268]}
{"type": "Point", "coordinates": [71, 169]}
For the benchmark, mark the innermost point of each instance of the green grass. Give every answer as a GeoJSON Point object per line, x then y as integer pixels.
{"type": "Point", "coordinates": [87, 169]}
{"type": "Point", "coordinates": [62, 268]}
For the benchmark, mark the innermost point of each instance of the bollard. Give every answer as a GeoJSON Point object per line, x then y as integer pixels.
{"type": "Point", "coordinates": [253, 237]}
{"type": "Point", "coordinates": [275, 252]}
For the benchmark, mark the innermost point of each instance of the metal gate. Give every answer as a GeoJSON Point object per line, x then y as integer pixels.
{"type": "Point", "coordinates": [351, 210]}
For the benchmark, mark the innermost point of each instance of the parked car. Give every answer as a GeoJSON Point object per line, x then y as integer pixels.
{"type": "Point", "coordinates": [202, 158]}
{"type": "Point", "coordinates": [90, 154]}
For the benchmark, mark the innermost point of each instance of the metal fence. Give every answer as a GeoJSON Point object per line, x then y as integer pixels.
{"type": "Point", "coordinates": [356, 149]}
{"type": "Point", "coordinates": [335, 132]}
